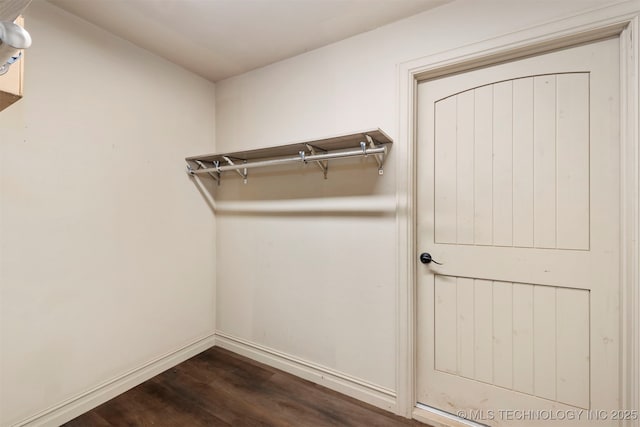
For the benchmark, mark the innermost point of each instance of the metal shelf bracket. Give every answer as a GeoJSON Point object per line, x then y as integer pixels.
{"type": "Point", "coordinates": [201, 165]}
{"type": "Point", "coordinates": [379, 157]}
{"type": "Point", "coordinates": [244, 174]}
{"type": "Point", "coordinates": [322, 164]}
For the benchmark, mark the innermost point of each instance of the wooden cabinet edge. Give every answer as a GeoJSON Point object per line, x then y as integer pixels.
{"type": "Point", "coordinates": [11, 83]}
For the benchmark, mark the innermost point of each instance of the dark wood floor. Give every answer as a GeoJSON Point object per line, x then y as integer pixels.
{"type": "Point", "coordinates": [220, 388]}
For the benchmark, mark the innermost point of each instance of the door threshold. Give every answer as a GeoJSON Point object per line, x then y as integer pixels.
{"type": "Point", "coordinates": [439, 418]}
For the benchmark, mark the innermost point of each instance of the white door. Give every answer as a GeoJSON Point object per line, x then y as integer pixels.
{"type": "Point", "coordinates": [518, 197]}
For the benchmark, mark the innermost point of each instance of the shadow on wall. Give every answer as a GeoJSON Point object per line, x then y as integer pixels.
{"type": "Point", "coordinates": [352, 188]}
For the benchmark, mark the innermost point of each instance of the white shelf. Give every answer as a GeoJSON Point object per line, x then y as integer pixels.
{"type": "Point", "coordinates": [372, 143]}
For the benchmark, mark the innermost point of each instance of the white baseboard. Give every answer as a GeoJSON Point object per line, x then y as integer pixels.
{"type": "Point", "coordinates": [359, 389]}
{"type": "Point", "coordinates": [71, 408]}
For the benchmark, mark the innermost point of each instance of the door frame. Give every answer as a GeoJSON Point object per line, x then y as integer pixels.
{"type": "Point", "coordinates": [621, 20]}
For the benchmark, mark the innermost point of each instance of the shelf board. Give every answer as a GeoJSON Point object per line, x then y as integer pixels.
{"type": "Point", "coordinates": [320, 151]}
{"type": "Point", "coordinates": [341, 142]}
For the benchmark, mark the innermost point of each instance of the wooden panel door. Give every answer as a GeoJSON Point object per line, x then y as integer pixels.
{"type": "Point", "coordinates": [518, 197]}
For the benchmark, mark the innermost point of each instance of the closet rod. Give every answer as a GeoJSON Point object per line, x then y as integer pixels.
{"type": "Point", "coordinates": [301, 158]}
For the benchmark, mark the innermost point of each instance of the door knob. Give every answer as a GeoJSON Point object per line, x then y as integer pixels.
{"type": "Point", "coordinates": [426, 258]}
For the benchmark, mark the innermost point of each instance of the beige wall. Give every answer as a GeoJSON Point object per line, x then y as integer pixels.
{"type": "Point", "coordinates": [107, 248]}
{"type": "Point", "coordinates": [322, 286]}
{"type": "Point", "coordinates": [108, 251]}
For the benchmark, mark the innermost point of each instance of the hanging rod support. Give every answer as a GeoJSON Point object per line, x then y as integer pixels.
{"type": "Point", "coordinates": [201, 165]}
{"type": "Point", "coordinates": [379, 157]}
{"type": "Point", "coordinates": [214, 175]}
{"type": "Point", "coordinates": [323, 164]}
{"type": "Point", "coordinates": [233, 166]}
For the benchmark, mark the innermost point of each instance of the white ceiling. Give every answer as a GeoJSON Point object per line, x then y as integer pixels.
{"type": "Point", "coordinates": [221, 38]}
{"type": "Point", "coordinates": [11, 9]}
